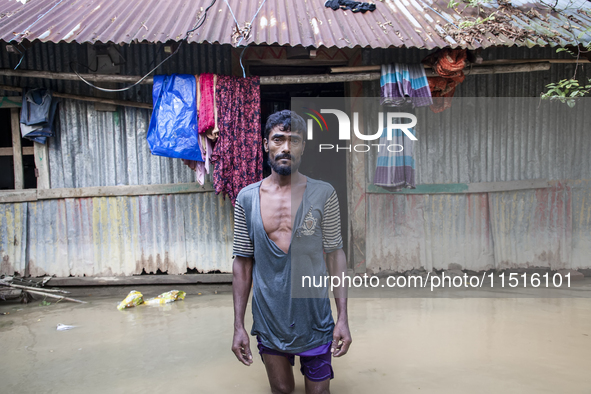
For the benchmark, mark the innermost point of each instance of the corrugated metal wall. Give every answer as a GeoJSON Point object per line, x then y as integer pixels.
{"type": "Point", "coordinates": [95, 148]}
{"type": "Point", "coordinates": [106, 236]}
{"type": "Point", "coordinates": [545, 228]}
{"type": "Point", "coordinates": [123, 235]}
{"type": "Point", "coordinates": [115, 235]}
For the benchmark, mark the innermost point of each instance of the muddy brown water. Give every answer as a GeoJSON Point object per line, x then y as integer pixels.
{"type": "Point", "coordinates": [401, 345]}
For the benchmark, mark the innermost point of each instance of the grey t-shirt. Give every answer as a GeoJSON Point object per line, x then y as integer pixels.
{"type": "Point", "coordinates": [281, 321]}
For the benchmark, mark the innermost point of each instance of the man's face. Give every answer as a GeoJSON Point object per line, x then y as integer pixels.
{"type": "Point", "coordinates": [285, 150]}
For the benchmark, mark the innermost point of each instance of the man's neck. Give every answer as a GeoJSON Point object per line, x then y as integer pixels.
{"type": "Point", "coordinates": [285, 180]}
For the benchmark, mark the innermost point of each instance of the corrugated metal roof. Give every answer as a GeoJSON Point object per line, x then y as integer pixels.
{"type": "Point", "coordinates": [394, 23]}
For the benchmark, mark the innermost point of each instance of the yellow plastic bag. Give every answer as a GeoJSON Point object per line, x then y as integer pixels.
{"type": "Point", "coordinates": [165, 298]}
{"type": "Point", "coordinates": [134, 298]}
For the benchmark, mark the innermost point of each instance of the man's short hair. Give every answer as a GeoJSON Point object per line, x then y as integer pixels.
{"type": "Point", "coordinates": [287, 120]}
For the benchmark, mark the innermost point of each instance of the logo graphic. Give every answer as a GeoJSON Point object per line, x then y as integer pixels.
{"type": "Point", "coordinates": [316, 119]}
{"type": "Point", "coordinates": [309, 225]}
{"type": "Point", "coordinates": [395, 129]}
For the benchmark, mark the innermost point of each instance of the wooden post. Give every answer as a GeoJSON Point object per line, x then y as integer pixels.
{"type": "Point", "coordinates": [356, 183]}
{"type": "Point", "coordinates": [42, 165]}
{"type": "Point", "coordinates": [17, 152]}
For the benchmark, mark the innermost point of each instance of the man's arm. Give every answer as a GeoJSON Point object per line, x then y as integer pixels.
{"type": "Point", "coordinates": [241, 284]}
{"type": "Point", "coordinates": [337, 266]}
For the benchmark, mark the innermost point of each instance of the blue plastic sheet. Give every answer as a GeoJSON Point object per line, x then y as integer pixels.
{"type": "Point", "coordinates": [173, 126]}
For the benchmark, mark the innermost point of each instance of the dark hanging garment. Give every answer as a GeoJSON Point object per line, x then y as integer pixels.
{"type": "Point", "coordinates": [37, 114]}
{"type": "Point", "coordinates": [355, 6]}
{"type": "Point", "coordinates": [237, 155]}
{"type": "Point", "coordinates": [173, 126]}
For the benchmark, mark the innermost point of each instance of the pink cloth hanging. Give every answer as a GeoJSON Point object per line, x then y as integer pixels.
{"type": "Point", "coordinates": [206, 107]}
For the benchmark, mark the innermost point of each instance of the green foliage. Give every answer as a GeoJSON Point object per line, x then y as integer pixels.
{"type": "Point", "coordinates": [469, 3]}
{"type": "Point", "coordinates": [44, 303]}
{"type": "Point", "coordinates": [478, 21]}
{"type": "Point", "coordinates": [566, 91]}
{"type": "Point", "coordinates": [574, 51]}
{"type": "Point", "coordinates": [476, 3]}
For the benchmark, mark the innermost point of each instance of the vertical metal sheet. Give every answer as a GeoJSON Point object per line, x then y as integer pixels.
{"type": "Point", "coordinates": [13, 236]}
{"type": "Point", "coordinates": [106, 236]}
{"type": "Point", "coordinates": [95, 148]}
{"type": "Point", "coordinates": [581, 225]}
{"type": "Point", "coordinates": [429, 231]}
{"type": "Point", "coordinates": [533, 228]}
{"type": "Point", "coordinates": [547, 227]}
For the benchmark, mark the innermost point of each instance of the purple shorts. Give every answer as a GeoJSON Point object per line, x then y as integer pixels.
{"type": "Point", "coordinates": [315, 363]}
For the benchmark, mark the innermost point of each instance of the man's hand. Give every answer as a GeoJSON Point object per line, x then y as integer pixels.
{"type": "Point", "coordinates": [241, 346]}
{"type": "Point", "coordinates": [341, 339]}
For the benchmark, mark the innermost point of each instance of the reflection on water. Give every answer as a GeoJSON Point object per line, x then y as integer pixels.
{"type": "Point", "coordinates": [399, 345]}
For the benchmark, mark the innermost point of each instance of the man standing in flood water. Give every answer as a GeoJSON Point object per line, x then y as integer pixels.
{"type": "Point", "coordinates": [283, 212]}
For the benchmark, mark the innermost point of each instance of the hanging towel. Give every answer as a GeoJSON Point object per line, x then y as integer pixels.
{"type": "Point", "coordinates": [404, 83]}
{"type": "Point", "coordinates": [237, 155]}
{"type": "Point", "coordinates": [173, 125]}
{"type": "Point", "coordinates": [205, 143]}
{"type": "Point", "coordinates": [206, 116]}
{"type": "Point", "coordinates": [214, 132]}
{"type": "Point", "coordinates": [206, 146]}
{"type": "Point", "coordinates": [396, 170]}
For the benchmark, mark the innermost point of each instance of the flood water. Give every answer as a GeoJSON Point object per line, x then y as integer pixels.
{"type": "Point", "coordinates": [400, 345]}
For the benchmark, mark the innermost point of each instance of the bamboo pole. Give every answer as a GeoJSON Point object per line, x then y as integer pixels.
{"type": "Point", "coordinates": [56, 296]}
{"type": "Point", "coordinates": [498, 62]}
{"type": "Point", "coordinates": [45, 294]}
{"type": "Point", "coordinates": [506, 69]}
{"type": "Point", "coordinates": [321, 78]}
{"type": "Point", "coordinates": [17, 151]}
{"type": "Point", "coordinates": [123, 103]}
{"type": "Point", "coordinates": [352, 74]}
{"type": "Point", "coordinates": [74, 77]}
{"type": "Point", "coordinates": [35, 288]}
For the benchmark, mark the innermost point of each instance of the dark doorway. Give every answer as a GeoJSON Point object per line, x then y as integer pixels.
{"type": "Point", "coordinates": [278, 97]}
{"type": "Point", "coordinates": [7, 161]}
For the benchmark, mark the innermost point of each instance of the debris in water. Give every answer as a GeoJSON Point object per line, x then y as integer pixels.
{"type": "Point", "coordinates": [134, 298]}
{"type": "Point", "coordinates": [64, 327]}
{"type": "Point", "coordinates": [165, 298]}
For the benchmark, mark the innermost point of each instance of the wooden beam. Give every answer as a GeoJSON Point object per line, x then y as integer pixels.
{"type": "Point", "coordinates": [356, 181]}
{"type": "Point", "coordinates": [507, 69]}
{"type": "Point", "coordinates": [295, 62]}
{"type": "Point", "coordinates": [27, 150]}
{"type": "Point", "coordinates": [187, 279]}
{"type": "Point", "coordinates": [283, 79]}
{"type": "Point", "coordinates": [11, 196]}
{"type": "Point", "coordinates": [322, 78]}
{"type": "Point", "coordinates": [464, 188]}
{"type": "Point", "coordinates": [123, 103]}
{"type": "Point", "coordinates": [498, 62]}
{"type": "Point", "coordinates": [126, 190]}
{"type": "Point", "coordinates": [73, 77]}
{"type": "Point", "coordinates": [103, 191]}
{"type": "Point", "coordinates": [17, 150]}
{"type": "Point", "coordinates": [42, 165]}
{"type": "Point", "coordinates": [11, 102]}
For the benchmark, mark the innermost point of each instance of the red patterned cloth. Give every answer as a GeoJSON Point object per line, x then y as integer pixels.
{"type": "Point", "coordinates": [449, 65]}
{"type": "Point", "coordinates": [238, 153]}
